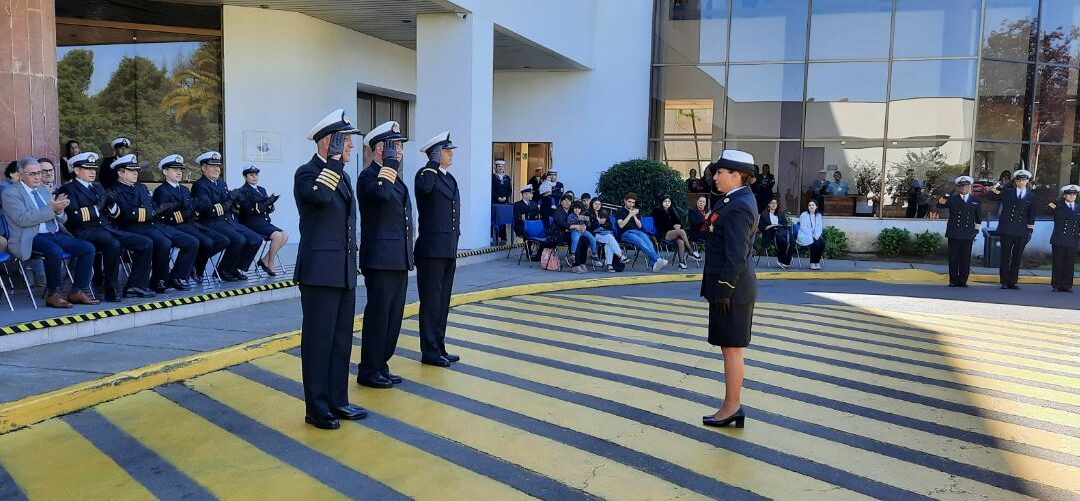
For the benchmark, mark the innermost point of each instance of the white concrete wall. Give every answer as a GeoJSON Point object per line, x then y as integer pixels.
{"type": "Point", "coordinates": [564, 26]}
{"type": "Point", "coordinates": [593, 118]}
{"type": "Point", "coordinates": [283, 72]}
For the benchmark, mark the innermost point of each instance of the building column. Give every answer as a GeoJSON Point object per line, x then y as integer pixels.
{"type": "Point", "coordinates": [29, 117]}
{"type": "Point", "coordinates": [454, 72]}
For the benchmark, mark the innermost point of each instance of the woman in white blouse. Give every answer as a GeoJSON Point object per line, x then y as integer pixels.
{"type": "Point", "coordinates": [811, 226]}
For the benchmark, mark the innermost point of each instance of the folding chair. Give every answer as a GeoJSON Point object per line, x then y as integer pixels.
{"type": "Point", "coordinates": [501, 216]}
{"type": "Point", "coordinates": [4, 258]}
{"type": "Point", "coordinates": [534, 234]}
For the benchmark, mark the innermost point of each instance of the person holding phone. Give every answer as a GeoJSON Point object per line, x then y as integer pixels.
{"type": "Point", "coordinates": [386, 252]}
{"type": "Point", "coordinates": [326, 272]}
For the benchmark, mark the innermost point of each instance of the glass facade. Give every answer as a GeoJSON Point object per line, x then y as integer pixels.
{"type": "Point", "coordinates": [872, 107]}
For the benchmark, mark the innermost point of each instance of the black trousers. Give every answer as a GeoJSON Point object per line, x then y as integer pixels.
{"type": "Point", "coordinates": [1064, 259]}
{"type": "Point", "coordinates": [781, 238]}
{"type": "Point", "coordinates": [959, 260]}
{"type": "Point", "coordinates": [243, 245]}
{"type": "Point", "coordinates": [817, 248]}
{"type": "Point", "coordinates": [382, 320]}
{"type": "Point", "coordinates": [435, 279]}
{"type": "Point", "coordinates": [1012, 250]}
{"type": "Point", "coordinates": [164, 239]}
{"type": "Point", "coordinates": [111, 244]}
{"type": "Point", "coordinates": [210, 243]}
{"type": "Point", "coordinates": [325, 345]}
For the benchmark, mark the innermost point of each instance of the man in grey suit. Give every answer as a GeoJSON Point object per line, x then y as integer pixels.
{"type": "Point", "coordinates": [36, 217]}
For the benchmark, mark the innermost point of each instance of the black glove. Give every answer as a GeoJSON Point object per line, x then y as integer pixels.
{"type": "Point", "coordinates": [272, 198]}
{"type": "Point", "coordinates": [724, 304]}
{"type": "Point", "coordinates": [337, 145]}
{"type": "Point", "coordinates": [389, 152]}
{"type": "Point", "coordinates": [435, 155]}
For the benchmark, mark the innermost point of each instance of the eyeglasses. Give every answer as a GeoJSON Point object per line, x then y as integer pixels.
{"type": "Point", "coordinates": [47, 171]}
{"type": "Point", "coordinates": [32, 174]}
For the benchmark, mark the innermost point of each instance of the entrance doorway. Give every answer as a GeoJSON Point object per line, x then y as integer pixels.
{"type": "Point", "coordinates": [522, 161]}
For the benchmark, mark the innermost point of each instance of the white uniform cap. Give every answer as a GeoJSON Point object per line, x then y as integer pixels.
{"type": "Point", "coordinates": [171, 161]}
{"type": "Point", "coordinates": [440, 138]}
{"type": "Point", "coordinates": [129, 161]}
{"type": "Point", "coordinates": [336, 121]}
{"type": "Point", "coordinates": [121, 141]}
{"type": "Point", "coordinates": [500, 162]}
{"type": "Point", "coordinates": [1071, 187]}
{"type": "Point", "coordinates": [527, 187]}
{"type": "Point", "coordinates": [209, 158]}
{"type": "Point", "coordinates": [737, 160]}
{"type": "Point", "coordinates": [385, 130]}
{"type": "Point", "coordinates": [1022, 172]}
{"type": "Point", "coordinates": [87, 160]}
{"type": "Point", "coordinates": [964, 180]}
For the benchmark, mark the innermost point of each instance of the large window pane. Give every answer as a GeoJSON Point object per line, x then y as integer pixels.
{"type": "Point", "coordinates": [927, 28]}
{"type": "Point", "coordinates": [1055, 111]}
{"type": "Point", "coordinates": [858, 188]}
{"type": "Point", "coordinates": [689, 102]}
{"type": "Point", "coordinates": [684, 156]}
{"type": "Point", "coordinates": [691, 31]}
{"type": "Point", "coordinates": [765, 101]}
{"type": "Point", "coordinates": [994, 162]}
{"type": "Point", "coordinates": [845, 29]}
{"type": "Point", "coordinates": [1054, 167]}
{"type": "Point", "coordinates": [932, 99]}
{"type": "Point", "coordinates": [768, 30]}
{"type": "Point", "coordinates": [1009, 29]}
{"type": "Point", "coordinates": [846, 100]}
{"type": "Point", "coordinates": [781, 160]}
{"type": "Point", "coordinates": [1005, 99]}
{"type": "Point", "coordinates": [1060, 39]}
{"type": "Point", "coordinates": [917, 174]}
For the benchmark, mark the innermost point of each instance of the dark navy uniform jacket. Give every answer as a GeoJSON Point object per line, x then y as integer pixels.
{"type": "Point", "coordinates": [386, 226]}
{"type": "Point", "coordinates": [327, 208]}
{"type": "Point", "coordinates": [501, 188]}
{"type": "Point", "coordinates": [88, 208]}
{"type": "Point", "coordinates": [525, 211]}
{"type": "Point", "coordinates": [106, 175]}
{"type": "Point", "coordinates": [731, 229]}
{"type": "Point", "coordinates": [438, 202]}
{"type": "Point", "coordinates": [135, 203]}
{"type": "Point", "coordinates": [965, 218]}
{"type": "Point", "coordinates": [177, 199]}
{"type": "Point", "coordinates": [252, 205]}
{"type": "Point", "coordinates": [1017, 215]}
{"type": "Point", "coordinates": [212, 200]}
{"type": "Point", "coordinates": [1066, 224]}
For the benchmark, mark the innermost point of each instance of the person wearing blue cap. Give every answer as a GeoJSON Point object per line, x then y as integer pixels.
{"type": "Point", "coordinates": [326, 272]}
{"type": "Point", "coordinates": [386, 252]}
{"type": "Point", "coordinates": [253, 209]}
{"type": "Point", "coordinates": [1015, 225]}
{"type": "Point", "coordinates": [438, 203]}
{"type": "Point", "coordinates": [215, 205]}
{"type": "Point", "coordinates": [177, 210]}
{"type": "Point", "coordinates": [1065, 238]}
{"type": "Point", "coordinates": [965, 221]}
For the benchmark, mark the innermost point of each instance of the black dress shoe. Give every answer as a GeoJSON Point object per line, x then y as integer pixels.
{"type": "Point", "coordinates": [739, 418]}
{"type": "Point", "coordinates": [328, 422]}
{"type": "Point", "coordinates": [451, 357]}
{"type": "Point", "coordinates": [350, 412]}
{"type": "Point", "coordinates": [954, 285]}
{"type": "Point", "coordinates": [177, 284]}
{"type": "Point", "coordinates": [240, 276]}
{"type": "Point", "coordinates": [266, 269]}
{"type": "Point", "coordinates": [394, 378]}
{"type": "Point", "coordinates": [1014, 287]}
{"type": "Point", "coordinates": [376, 381]}
{"type": "Point", "coordinates": [138, 292]}
{"type": "Point", "coordinates": [159, 287]}
{"type": "Point", "coordinates": [438, 362]}
{"type": "Point", "coordinates": [228, 277]}
{"type": "Point", "coordinates": [112, 297]}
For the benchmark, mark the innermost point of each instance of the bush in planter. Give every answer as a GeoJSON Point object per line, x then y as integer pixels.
{"type": "Point", "coordinates": [648, 179]}
{"type": "Point", "coordinates": [836, 244]}
{"type": "Point", "coordinates": [892, 241]}
{"type": "Point", "coordinates": [927, 243]}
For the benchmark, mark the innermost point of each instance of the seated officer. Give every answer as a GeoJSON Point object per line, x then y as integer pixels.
{"type": "Point", "coordinates": [87, 219]}
{"type": "Point", "coordinates": [137, 214]}
{"type": "Point", "coordinates": [526, 210]}
{"type": "Point", "coordinates": [253, 208]}
{"type": "Point", "coordinates": [214, 204]}
{"type": "Point", "coordinates": [177, 209]}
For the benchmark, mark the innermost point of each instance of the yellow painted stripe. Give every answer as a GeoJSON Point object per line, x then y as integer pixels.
{"type": "Point", "coordinates": [412, 471]}
{"type": "Point", "coordinates": [574, 467]}
{"type": "Point", "coordinates": [916, 478]}
{"type": "Point", "coordinates": [678, 324]}
{"type": "Point", "coordinates": [993, 459]}
{"type": "Point", "coordinates": [1000, 429]}
{"type": "Point", "coordinates": [53, 461]}
{"type": "Point", "coordinates": [218, 460]}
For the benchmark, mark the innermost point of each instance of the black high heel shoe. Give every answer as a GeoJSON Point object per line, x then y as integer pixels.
{"type": "Point", "coordinates": [739, 418]}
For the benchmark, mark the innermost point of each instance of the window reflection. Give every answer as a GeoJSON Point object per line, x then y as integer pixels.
{"type": "Point", "coordinates": [781, 160]}
{"type": "Point", "coordinates": [993, 163]}
{"type": "Point", "coordinates": [1055, 111]}
{"type": "Point", "coordinates": [842, 29]}
{"type": "Point", "coordinates": [928, 28]}
{"type": "Point", "coordinates": [843, 177]}
{"type": "Point", "coordinates": [1005, 99]}
{"type": "Point", "coordinates": [689, 100]}
{"type": "Point", "coordinates": [683, 156]}
{"type": "Point", "coordinates": [765, 101]}
{"type": "Point", "coordinates": [768, 30]}
{"type": "Point", "coordinates": [917, 174]}
{"type": "Point", "coordinates": [1054, 167]}
{"type": "Point", "coordinates": [1060, 39]}
{"type": "Point", "coordinates": [1009, 29]}
{"type": "Point", "coordinates": [932, 99]}
{"type": "Point", "coordinates": [691, 31]}
{"type": "Point", "coordinates": [846, 100]}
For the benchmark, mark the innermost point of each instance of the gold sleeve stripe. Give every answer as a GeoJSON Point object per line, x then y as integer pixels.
{"type": "Point", "coordinates": [219, 209]}
{"type": "Point", "coordinates": [142, 215]}
{"type": "Point", "coordinates": [330, 172]}
{"type": "Point", "coordinates": [433, 171]}
{"type": "Point", "coordinates": [329, 179]}
{"type": "Point", "coordinates": [1053, 205]}
{"type": "Point", "coordinates": [388, 173]}
{"type": "Point", "coordinates": [178, 217]}
{"type": "Point", "coordinates": [85, 212]}
{"type": "Point", "coordinates": [1031, 227]}
{"type": "Point", "coordinates": [332, 186]}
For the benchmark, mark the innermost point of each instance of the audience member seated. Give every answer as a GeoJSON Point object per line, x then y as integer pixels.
{"type": "Point", "coordinates": [560, 234]}
{"type": "Point", "coordinates": [811, 229]}
{"type": "Point", "coordinates": [600, 227]}
{"type": "Point", "coordinates": [630, 224]}
{"type": "Point", "coordinates": [696, 216]}
{"type": "Point", "coordinates": [776, 231]}
{"type": "Point", "coordinates": [253, 208]}
{"type": "Point", "coordinates": [36, 219]}
{"type": "Point", "coordinates": [669, 228]}
{"type": "Point", "coordinates": [526, 210]}
{"type": "Point", "coordinates": [579, 228]}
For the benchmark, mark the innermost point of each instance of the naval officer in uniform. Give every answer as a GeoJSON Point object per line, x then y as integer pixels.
{"type": "Point", "coordinates": [177, 208]}
{"type": "Point", "coordinates": [1015, 225]}
{"type": "Point", "coordinates": [965, 220]}
{"type": "Point", "coordinates": [438, 202]}
{"type": "Point", "coordinates": [326, 272]}
{"type": "Point", "coordinates": [728, 281]}
{"type": "Point", "coordinates": [1065, 239]}
{"type": "Point", "coordinates": [386, 253]}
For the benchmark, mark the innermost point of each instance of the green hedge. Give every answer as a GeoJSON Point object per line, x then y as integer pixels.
{"type": "Point", "coordinates": [648, 179]}
{"type": "Point", "coordinates": [836, 243]}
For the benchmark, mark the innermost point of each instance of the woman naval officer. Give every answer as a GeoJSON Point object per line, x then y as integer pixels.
{"type": "Point", "coordinates": [728, 282]}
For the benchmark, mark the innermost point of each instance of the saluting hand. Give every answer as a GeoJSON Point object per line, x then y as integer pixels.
{"type": "Point", "coordinates": [337, 145]}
